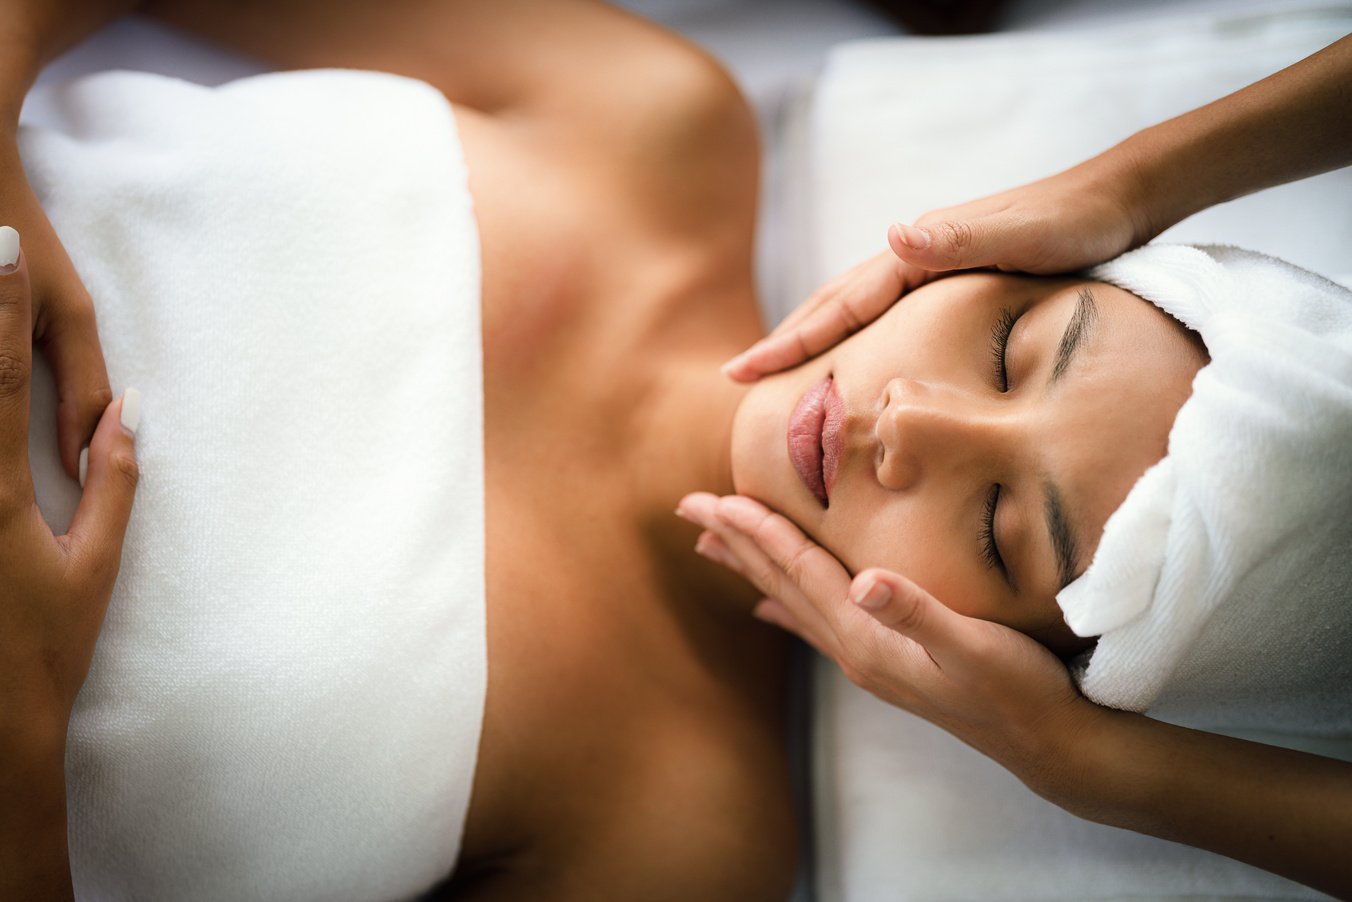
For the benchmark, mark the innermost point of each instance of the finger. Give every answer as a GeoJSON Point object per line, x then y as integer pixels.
{"type": "Point", "coordinates": [902, 606]}
{"type": "Point", "coordinates": [16, 357]}
{"type": "Point", "coordinates": [69, 339]}
{"type": "Point", "coordinates": [710, 546]}
{"type": "Point", "coordinates": [958, 243]}
{"type": "Point", "coordinates": [800, 574]}
{"type": "Point", "coordinates": [751, 364]}
{"type": "Point", "coordinates": [769, 355]}
{"type": "Point", "coordinates": [820, 324]}
{"type": "Point", "coordinates": [777, 614]}
{"type": "Point", "coordinates": [699, 508]}
{"type": "Point", "coordinates": [100, 523]}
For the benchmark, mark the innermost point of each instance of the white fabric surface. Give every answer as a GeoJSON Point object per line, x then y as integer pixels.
{"type": "Point", "coordinates": [897, 127]}
{"type": "Point", "coordinates": [286, 698]}
{"type": "Point", "coordinates": [1224, 578]}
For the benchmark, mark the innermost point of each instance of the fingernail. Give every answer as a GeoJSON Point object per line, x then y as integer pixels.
{"type": "Point", "coordinates": [84, 464]}
{"type": "Point", "coordinates": [680, 512]}
{"type": "Point", "coordinates": [9, 249]}
{"type": "Point", "coordinates": [733, 364]}
{"type": "Point", "coordinates": [913, 237]}
{"type": "Point", "coordinates": [131, 410]}
{"type": "Point", "coordinates": [872, 594]}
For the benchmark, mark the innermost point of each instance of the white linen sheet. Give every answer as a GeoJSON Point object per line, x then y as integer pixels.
{"type": "Point", "coordinates": [894, 128]}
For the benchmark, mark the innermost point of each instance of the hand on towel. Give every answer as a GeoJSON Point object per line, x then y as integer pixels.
{"type": "Point", "coordinates": [63, 313]}
{"type": "Point", "coordinates": [992, 687]}
{"type": "Point", "coordinates": [54, 591]}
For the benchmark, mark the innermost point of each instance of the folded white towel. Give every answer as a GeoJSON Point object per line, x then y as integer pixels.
{"type": "Point", "coordinates": [287, 694]}
{"type": "Point", "coordinates": [1222, 586]}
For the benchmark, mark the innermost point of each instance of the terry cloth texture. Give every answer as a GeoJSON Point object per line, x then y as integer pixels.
{"type": "Point", "coordinates": [1222, 586]}
{"type": "Point", "coordinates": [287, 694]}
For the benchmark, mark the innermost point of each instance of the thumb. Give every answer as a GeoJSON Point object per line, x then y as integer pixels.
{"type": "Point", "coordinates": [902, 606]}
{"type": "Point", "coordinates": [958, 243]}
{"type": "Point", "coordinates": [109, 474]}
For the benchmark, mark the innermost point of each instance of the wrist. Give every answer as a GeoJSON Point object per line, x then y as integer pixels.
{"type": "Point", "coordinates": [1060, 757]}
{"type": "Point", "coordinates": [1142, 186]}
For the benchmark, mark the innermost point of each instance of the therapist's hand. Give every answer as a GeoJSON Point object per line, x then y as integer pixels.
{"type": "Point", "coordinates": [1072, 220]}
{"type": "Point", "coordinates": [837, 309]}
{"type": "Point", "coordinates": [54, 591]}
{"type": "Point", "coordinates": [992, 687]}
{"type": "Point", "coordinates": [63, 314]}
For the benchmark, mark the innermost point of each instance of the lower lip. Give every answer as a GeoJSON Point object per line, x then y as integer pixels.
{"type": "Point", "coordinates": [806, 447]}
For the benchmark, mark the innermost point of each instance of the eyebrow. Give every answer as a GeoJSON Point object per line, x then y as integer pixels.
{"type": "Point", "coordinates": [1064, 544]}
{"type": "Point", "coordinates": [1081, 322]}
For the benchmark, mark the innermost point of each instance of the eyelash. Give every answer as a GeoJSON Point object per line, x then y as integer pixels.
{"type": "Point", "coordinates": [989, 551]}
{"type": "Point", "coordinates": [1000, 333]}
{"type": "Point", "coordinates": [1000, 346]}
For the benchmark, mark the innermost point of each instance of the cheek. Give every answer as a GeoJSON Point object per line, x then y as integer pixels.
{"type": "Point", "coordinates": [900, 534]}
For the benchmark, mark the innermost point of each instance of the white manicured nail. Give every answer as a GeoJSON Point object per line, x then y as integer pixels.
{"type": "Point", "coordinates": [9, 247]}
{"type": "Point", "coordinates": [131, 410]}
{"type": "Point", "coordinates": [84, 465]}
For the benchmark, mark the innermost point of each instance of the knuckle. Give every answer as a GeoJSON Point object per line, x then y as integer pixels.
{"type": "Point", "coordinates": [764, 577]}
{"type": "Point", "coordinates": [850, 319]}
{"type": "Point", "coordinates": [796, 564]}
{"type": "Point", "coordinates": [955, 237]}
{"type": "Point", "coordinates": [125, 468]}
{"type": "Point", "coordinates": [908, 615]}
{"type": "Point", "coordinates": [860, 666]}
{"type": "Point", "coordinates": [99, 398]}
{"type": "Point", "coordinates": [14, 375]}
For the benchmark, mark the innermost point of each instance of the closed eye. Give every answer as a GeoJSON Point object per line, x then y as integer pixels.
{"type": "Point", "coordinates": [990, 552]}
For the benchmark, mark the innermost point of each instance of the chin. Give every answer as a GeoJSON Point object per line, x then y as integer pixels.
{"type": "Point", "coordinates": [759, 430]}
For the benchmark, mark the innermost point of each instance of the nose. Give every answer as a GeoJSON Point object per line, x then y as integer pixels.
{"type": "Point", "coordinates": [924, 429]}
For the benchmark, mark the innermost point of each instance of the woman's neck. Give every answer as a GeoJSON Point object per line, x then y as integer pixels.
{"type": "Point", "coordinates": [684, 445]}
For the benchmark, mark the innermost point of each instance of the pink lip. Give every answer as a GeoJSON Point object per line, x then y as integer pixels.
{"type": "Point", "coordinates": [835, 418]}
{"type": "Point", "coordinates": [814, 439]}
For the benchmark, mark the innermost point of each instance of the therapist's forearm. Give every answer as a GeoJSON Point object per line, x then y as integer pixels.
{"type": "Point", "coordinates": [1280, 810]}
{"type": "Point", "coordinates": [1293, 124]}
{"type": "Point", "coordinates": [34, 32]}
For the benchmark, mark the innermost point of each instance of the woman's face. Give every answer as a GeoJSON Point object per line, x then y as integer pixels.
{"type": "Point", "coordinates": [975, 438]}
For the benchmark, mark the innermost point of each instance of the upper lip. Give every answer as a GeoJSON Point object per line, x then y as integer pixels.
{"type": "Point", "coordinates": [831, 440]}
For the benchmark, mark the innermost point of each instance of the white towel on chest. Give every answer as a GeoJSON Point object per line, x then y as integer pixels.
{"type": "Point", "coordinates": [1222, 586]}
{"type": "Point", "coordinates": [286, 698]}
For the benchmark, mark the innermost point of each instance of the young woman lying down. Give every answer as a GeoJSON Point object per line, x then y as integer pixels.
{"type": "Point", "coordinates": [977, 437]}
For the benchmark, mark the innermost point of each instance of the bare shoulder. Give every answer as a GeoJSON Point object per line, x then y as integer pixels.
{"type": "Point", "coordinates": [579, 83]}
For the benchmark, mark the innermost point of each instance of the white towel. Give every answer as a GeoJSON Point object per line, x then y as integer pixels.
{"type": "Point", "coordinates": [287, 694]}
{"type": "Point", "coordinates": [1222, 587]}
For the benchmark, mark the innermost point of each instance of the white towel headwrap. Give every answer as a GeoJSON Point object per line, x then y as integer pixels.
{"type": "Point", "coordinates": [1221, 589]}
